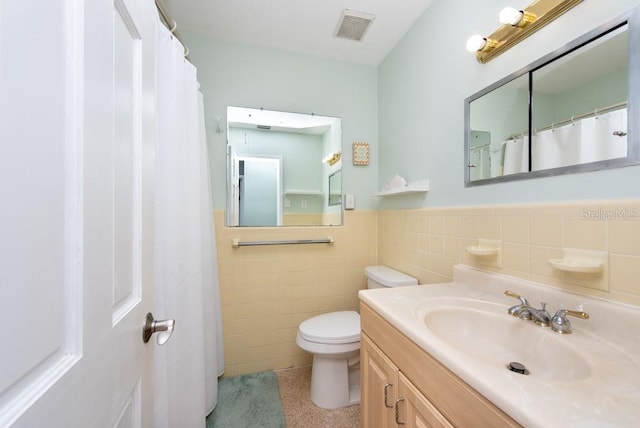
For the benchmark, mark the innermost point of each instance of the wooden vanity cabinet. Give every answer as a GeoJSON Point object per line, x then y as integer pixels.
{"type": "Point", "coordinates": [379, 379]}
{"type": "Point", "coordinates": [424, 392]}
{"type": "Point", "coordinates": [389, 397]}
{"type": "Point", "coordinates": [414, 410]}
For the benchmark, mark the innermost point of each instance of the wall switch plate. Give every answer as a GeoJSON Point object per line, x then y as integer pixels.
{"type": "Point", "coordinates": [349, 201]}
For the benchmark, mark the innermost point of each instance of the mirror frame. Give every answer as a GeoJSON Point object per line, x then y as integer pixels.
{"type": "Point", "coordinates": [632, 18]}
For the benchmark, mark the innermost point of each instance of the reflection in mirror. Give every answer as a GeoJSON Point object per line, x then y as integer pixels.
{"type": "Point", "coordinates": [499, 123]}
{"type": "Point", "coordinates": [579, 105]}
{"type": "Point", "coordinates": [259, 190]}
{"type": "Point", "coordinates": [275, 172]}
{"type": "Point", "coordinates": [335, 188]}
{"type": "Point", "coordinates": [566, 112]}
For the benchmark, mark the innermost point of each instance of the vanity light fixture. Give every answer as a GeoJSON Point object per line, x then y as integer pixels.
{"type": "Point", "coordinates": [517, 25]}
{"type": "Point", "coordinates": [477, 43]}
{"type": "Point", "coordinates": [515, 17]}
{"type": "Point", "coordinates": [332, 158]}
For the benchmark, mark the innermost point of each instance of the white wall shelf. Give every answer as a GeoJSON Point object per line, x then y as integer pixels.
{"type": "Point", "coordinates": [421, 186]}
{"type": "Point", "coordinates": [299, 192]}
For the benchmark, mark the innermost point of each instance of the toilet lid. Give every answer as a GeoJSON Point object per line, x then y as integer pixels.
{"type": "Point", "coordinates": [334, 327]}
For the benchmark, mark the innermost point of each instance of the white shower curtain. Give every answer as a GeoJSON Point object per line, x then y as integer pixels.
{"type": "Point", "coordinates": [604, 136]}
{"type": "Point", "coordinates": [212, 316]}
{"type": "Point", "coordinates": [186, 276]}
{"type": "Point", "coordinates": [516, 155]}
{"type": "Point", "coordinates": [557, 147]}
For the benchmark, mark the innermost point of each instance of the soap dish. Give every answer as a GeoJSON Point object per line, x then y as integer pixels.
{"type": "Point", "coordinates": [579, 266]}
{"type": "Point", "coordinates": [486, 252]}
{"type": "Point", "coordinates": [580, 261]}
{"type": "Point", "coordinates": [477, 250]}
{"type": "Point", "coordinates": [485, 248]}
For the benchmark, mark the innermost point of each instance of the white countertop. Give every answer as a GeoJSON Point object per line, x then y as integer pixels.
{"type": "Point", "coordinates": [609, 343]}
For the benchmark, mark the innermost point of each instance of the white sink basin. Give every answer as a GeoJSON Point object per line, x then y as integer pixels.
{"type": "Point", "coordinates": [485, 331]}
{"type": "Point", "coordinates": [590, 378]}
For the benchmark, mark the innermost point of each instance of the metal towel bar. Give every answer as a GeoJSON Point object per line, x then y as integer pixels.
{"type": "Point", "coordinates": [236, 242]}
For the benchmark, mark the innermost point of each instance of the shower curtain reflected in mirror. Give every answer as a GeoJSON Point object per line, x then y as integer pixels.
{"type": "Point", "coordinates": [594, 138]}
{"type": "Point", "coordinates": [605, 136]}
{"type": "Point", "coordinates": [516, 155]}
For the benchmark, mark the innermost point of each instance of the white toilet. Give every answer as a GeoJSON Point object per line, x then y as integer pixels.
{"type": "Point", "coordinates": [334, 341]}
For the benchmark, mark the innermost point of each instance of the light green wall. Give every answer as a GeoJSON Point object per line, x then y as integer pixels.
{"type": "Point", "coordinates": [410, 108]}
{"type": "Point", "coordinates": [607, 90]}
{"type": "Point", "coordinates": [302, 168]}
{"type": "Point", "coordinates": [422, 87]}
{"type": "Point", "coordinates": [503, 112]}
{"type": "Point", "coordinates": [244, 76]}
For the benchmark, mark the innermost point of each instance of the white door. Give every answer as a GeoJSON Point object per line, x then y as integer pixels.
{"type": "Point", "coordinates": [260, 201]}
{"type": "Point", "coordinates": [76, 163]}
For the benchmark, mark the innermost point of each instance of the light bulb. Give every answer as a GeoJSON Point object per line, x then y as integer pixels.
{"type": "Point", "coordinates": [511, 16]}
{"type": "Point", "coordinates": [476, 43]}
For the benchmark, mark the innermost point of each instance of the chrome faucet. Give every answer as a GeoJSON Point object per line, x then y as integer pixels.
{"type": "Point", "coordinates": [541, 316]}
{"type": "Point", "coordinates": [523, 310]}
{"type": "Point", "coordinates": [560, 323]}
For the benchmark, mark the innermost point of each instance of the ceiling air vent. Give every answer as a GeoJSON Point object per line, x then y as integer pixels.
{"type": "Point", "coordinates": [353, 25]}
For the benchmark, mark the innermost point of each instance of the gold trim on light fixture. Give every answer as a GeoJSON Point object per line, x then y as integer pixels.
{"type": "Point", "coordinates": [535, 16]}
{"type": "Point", "coordinates": [478, 43]}
{"type": "Point", "coordinates": [527, 18]}
{"type": "Point", "coordinates": [516, 18]}
{"type": "Point", "coordinates": [332, 158]}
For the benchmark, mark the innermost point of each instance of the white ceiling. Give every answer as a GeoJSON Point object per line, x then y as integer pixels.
{"type": "Point", "coordinates": [302, 26]}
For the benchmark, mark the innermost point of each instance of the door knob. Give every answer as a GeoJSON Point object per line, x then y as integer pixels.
{"type": "Point", "coordinates": [164, 328]}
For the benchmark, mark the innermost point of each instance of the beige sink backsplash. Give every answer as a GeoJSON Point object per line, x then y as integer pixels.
{"type": "Point", "coordinates": [268, 291]}
{"type": "Point", "coordinates": [427, 243]}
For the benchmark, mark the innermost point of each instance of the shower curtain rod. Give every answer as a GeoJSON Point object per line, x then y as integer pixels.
{"type": "Point", "coordinates": [516, 135]}
{"type": "Point", "coordinates": [596, 112]}
{"type": "Point", "coordinates": [171, 24]}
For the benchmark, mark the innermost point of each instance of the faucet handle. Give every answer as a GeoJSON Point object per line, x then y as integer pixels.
{"type": "Point", "coordinates": [516, 296]}
{"type": "Point", "coordinates": [511, 294]}
{"type": "Point", "coordinates": [522, 310]}
{"type": "Point", "coordinates": [561, 324]}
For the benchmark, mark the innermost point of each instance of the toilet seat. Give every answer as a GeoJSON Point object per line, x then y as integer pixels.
{"type": "Point", "coordinates": [334, 341]}
{"type": "Point", "coordinates": [332, 328]}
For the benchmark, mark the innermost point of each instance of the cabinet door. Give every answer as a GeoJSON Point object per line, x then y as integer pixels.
{"type": "Point", "coordinates": [379, 382]}
{"type": "Point", "coordinates": [414, 408]}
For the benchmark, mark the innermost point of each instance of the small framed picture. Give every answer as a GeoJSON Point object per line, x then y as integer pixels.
{"type": "Point", "coordinates": [361, 153]}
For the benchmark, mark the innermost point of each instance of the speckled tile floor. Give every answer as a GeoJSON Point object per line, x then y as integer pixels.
{"type": "Point", "coordinates": [300, 412]}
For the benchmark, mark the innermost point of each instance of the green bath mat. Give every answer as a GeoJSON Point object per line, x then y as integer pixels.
{"type": "Point", "coordinates": [248, 401]}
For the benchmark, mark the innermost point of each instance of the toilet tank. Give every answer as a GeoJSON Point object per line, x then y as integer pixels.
{"type": "Point", "coordinates": [383, 276]}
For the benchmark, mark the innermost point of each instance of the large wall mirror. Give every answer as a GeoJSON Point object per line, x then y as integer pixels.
{"type": "Point", "coordinates": [277, 168]}
{"type": "Point", "coordinates": [574, 110]}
